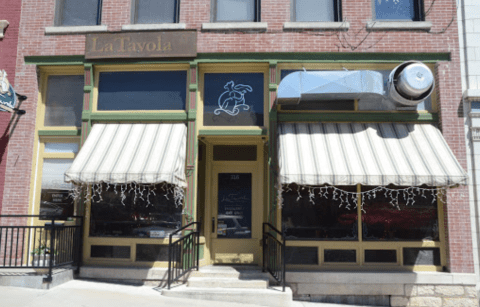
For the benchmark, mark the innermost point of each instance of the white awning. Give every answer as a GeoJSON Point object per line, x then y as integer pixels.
{"type": "Point", "coordinates": [369, 154]}
{"type": "Point", "coordinates": [126, 153]}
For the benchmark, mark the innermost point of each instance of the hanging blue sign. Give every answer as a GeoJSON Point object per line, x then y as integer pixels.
{"type": "Point", "coordinates": [8, 98]}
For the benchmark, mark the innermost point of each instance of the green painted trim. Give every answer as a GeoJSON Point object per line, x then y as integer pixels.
{"type": "Point", "coordinates": [86, 115]}
{"type": "Point", "coordinates": [358, 117]}
{"type": "Point", "coordinates": [203, 132]}
{"type": "Point", "coordinates": [87, 88]}
{"type": "Point", "coordinates": [273, 64]}
{"type": "Point", "coordinates": [55, 60]}
{"type": "Point", "coordinates": [272, 87]}
{"type": "Point", "coordinates": [193, 87]}
{"type": "Point", "coordinates": [193, 64]}
{"type": "Point", "coordinates": [192, 114]}
{"type": "Point", "coordinates": [319, 57]}
{"type": "Point", "coordinates": [132, 116]}
{"type": "Point", "coordinates": [77, 132]}
{"type": "Point", "coordinates": [88, 66]}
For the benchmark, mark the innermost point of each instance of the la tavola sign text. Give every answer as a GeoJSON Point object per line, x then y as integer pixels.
{"type": "Point", "coordinates": [141, 45]}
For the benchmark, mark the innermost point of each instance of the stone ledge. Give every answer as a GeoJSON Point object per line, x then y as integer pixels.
{"type": "Point", "coordinates": [3, 25]}
{"type": "Point", "coordinates": [159, 26]}
{"type": "Point", "coordinates": [349, 289]}
{"type": "Point", "coordinates": [430, 278]}
{"type": "Point", "coordinates": [334, 25]}
{"type": "Point", "coordinates": [228, 26]}
{"type": "Point", "coordinates": [399, 25]}
{"type": "Point", "coordinates": [75, 29]}
{"type": "Point", "coordinates": [471, 94]}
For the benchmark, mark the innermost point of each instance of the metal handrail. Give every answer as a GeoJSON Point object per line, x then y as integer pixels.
{"type": "Point", "coordinates": [176, 251]}
{"type": "Point", "coordinates": [271, 253]}
{"type": "Point", "coordinates": [65, 244]}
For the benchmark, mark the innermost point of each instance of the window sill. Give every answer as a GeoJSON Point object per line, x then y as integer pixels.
{"type": "Point", "coordinates": [75, 29]}
{"type": "Point", "coordinates": [471, 94]}
{"type": "Point", "coordinates": [332, 25]}
{"type": "Point", "coordinates": [157, 26]}
{"type": "Point", "coordinates": [219, 26]}
{"type": "Point", "coordinates": [399, 25]}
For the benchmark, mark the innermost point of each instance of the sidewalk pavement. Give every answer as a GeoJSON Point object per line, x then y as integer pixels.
{"type": "Point", "coordinates": [81, 293]}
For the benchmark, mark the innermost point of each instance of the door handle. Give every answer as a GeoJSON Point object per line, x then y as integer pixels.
{"type": "Point", "coordinates": [213, 225]}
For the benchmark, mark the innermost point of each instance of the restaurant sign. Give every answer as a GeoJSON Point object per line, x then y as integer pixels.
{"type": "Point", "coordinates": [141, 45]}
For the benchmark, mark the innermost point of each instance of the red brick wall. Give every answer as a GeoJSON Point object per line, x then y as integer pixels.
{"type": "Point", "coordinates": [8, 57]}
{"type": "Point", "coordinates": [37, 14]}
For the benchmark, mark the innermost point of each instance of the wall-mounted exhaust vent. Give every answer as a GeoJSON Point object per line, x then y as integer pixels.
{"type": "Point", "coordinates": [410, 83]}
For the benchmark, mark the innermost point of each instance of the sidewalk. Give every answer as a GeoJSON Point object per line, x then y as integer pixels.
{"type": "Point", "coordinates": [79, 293]}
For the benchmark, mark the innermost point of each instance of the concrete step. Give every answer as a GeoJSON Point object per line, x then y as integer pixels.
{"type": "Point", "coordinates": [240, 272]}
{"type": "Point", "coordinates": [217, 282]}
{"type": "Point", "coordinates": [273, 296]}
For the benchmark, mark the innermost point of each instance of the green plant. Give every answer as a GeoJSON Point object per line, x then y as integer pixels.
{"type": "Point", "coordinates": [43, 250]}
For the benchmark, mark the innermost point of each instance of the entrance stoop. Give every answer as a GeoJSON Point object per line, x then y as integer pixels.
{"type": "Point", "coordinates": [240, 284]}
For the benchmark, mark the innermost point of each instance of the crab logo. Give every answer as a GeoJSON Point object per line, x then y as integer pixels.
{"type": "Point", "coordinates": [7, 94]}
{"type": "Point", "coordinates": [233, 99]}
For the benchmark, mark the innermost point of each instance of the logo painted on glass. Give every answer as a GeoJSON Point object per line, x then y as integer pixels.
{"type": "Point", "coordinates": [233, 99]}
{"type": "Point", "coordinates": [7, 94]}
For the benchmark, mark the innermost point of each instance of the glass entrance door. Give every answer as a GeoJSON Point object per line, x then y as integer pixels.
{"type": "Point", "coordinates": [237, 213]}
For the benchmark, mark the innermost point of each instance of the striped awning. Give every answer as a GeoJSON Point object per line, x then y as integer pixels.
{"type": "Point", "coordinates": [376, 154]}
{"type": "Point", "coordinates": [126, 153]}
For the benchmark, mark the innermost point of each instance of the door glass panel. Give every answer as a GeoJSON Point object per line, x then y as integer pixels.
{"type": "Point", "coordinates": [234, 205]}
{"type": "Point", "coordinates": [234, 153]}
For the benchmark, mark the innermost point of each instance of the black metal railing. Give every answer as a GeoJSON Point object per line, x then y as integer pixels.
{"type": "Point", "coordinates": [184, 252]}
{"type": "Point", "coordinates": [28, 242]}
{"type": "Point", "coordinates": [274, 253]}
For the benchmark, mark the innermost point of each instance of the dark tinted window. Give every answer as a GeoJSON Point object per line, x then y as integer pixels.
{"type": "Point", "coordinates": [315, 10]}
{"type": "Point", "coordinates": [397, 9]}
{"type": "Point", "coordinates": [146, 215]}
{"type": "Point", "coordinates": [105, 251]}
{"type": "Point", "coordinates": [379, 255]}
{"type": "Point", "coordinates": [79, 12]}
{"type": "Point", "coordinates": [151, 252]}
{"type": "Point", "coordinates": [236, 10]}
{"type": "Point", "coordinates": [234, 153]}
{"type": "Point", "coordinates": [421, 256]}
{"type": "Point", "coordinates": [340, 255]}
{"type": "Point", "coordinates": [233, 99]}
{"type": "Point", "coordinates": [413, 221]}
{"type": "Point", "coordinates": [321, 218]}
{"type": "Point", "coordinates": [156, 11]}
{"type": "Point", "coordinates": [64, 103]}
{"type": "Point", "coordinates": [144, 90]}
{"type": "Point", "coordinates": [301, 255]}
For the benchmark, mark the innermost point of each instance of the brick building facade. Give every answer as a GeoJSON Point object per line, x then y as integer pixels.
{"type": "Point", "coordinates": [271, 41]}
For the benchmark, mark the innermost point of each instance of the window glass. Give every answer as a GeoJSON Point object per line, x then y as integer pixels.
{"type": "Point", "coordinates": [79, 13]}
{"type": "Point", "coordinates": [234, 153]}
{"type": "Point", "coordinates": [383, 220]}
{"type": "Point", "coordinates": [64, 103]}
{"type": "Point", "coordinates": [143, 90]}
{"type": "Point", "coordinates": [156, 11]}
{"type": "Point", "coordinates": [235, 10]}
{"type": "Point", "coordinates": [55, 196]}
{"type": "Point", "coordinates": [143, 215]}
{"type": "Point", "coordinates": [381, 255]}
{"type": "Point", "coordinates": [314, 10]}
{"type": "Point", "coordinates": [396, 9]}
{"type": "Point", "coordinates": [340, 255]}
{"type": "Point", "coordinates": [301, 255]}
{"type": "Point", "coordinates": [421, 256]}
{"type": "Point", "coordinates": [233, 99]}
{"type": "Point", "coordinates": [61, 147]}
{"type": "Point", "coordinates": [475, 106]}
{"type": "Point", "coordinates": [318, 217]}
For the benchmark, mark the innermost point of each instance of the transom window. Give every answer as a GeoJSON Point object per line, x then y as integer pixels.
{"type": "Point", "coordinates": [316, 10]}
{"type": "Point", "coordinates": [236, 10]}
{"type": "Point", "coordinates": [142, 90]}
{"type": "Point", "coordinates": [78, 13]}
{"type": "Point", "coordinates": [398, 10]}
{"type": "Point", "coordinates": [155, 11]}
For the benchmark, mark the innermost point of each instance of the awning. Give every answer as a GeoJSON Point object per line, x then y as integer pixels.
{"type": "Point", "coordinates": [370, 154]}
{"type": "Point", "coordinates": [126, 153]}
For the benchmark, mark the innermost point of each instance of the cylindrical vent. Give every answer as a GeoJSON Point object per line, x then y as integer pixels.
{"type": "Point", "coordinates": [415, 80]}
{"type": "Point", "coordinates": [410, 83]}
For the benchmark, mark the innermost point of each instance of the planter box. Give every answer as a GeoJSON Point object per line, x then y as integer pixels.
{"type": "Point", "coordinates": [41, 263]}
